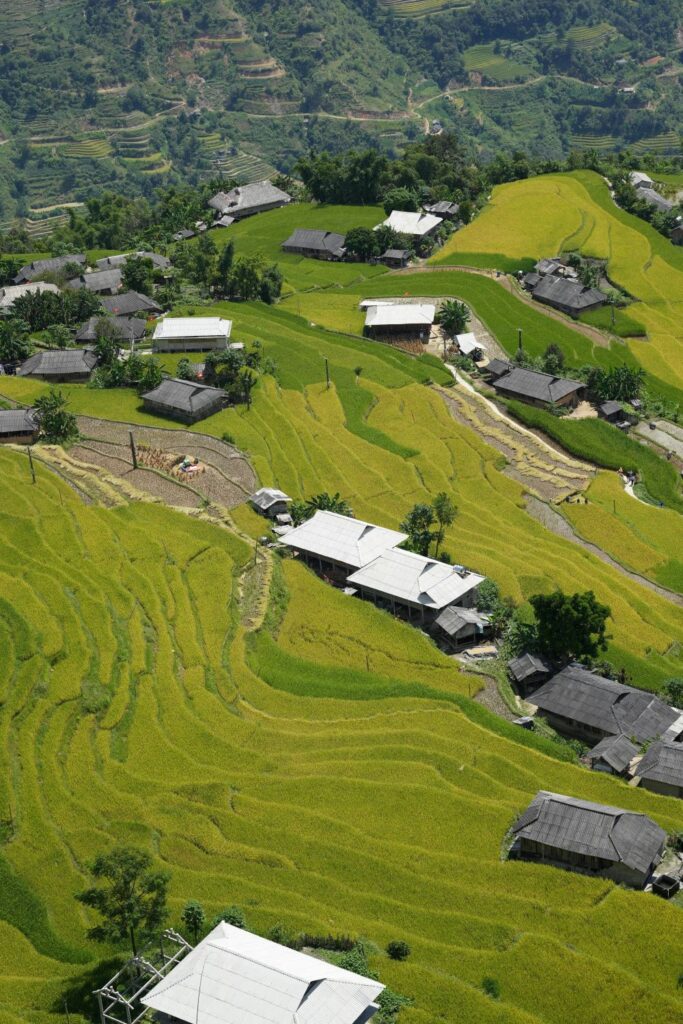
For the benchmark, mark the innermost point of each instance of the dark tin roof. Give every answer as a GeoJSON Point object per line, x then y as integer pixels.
{"type": "Point", "coordinates": [594, 830]}
{"type": "Point", "coordinates": [562, 291]}
{"type": "Point", "coordinates": [316, 241]}
{"type": "Point", "coordinates": [131, 328]}
{"type": "Point", "coordinates": [497, 367]}
{"type": "Point", "coordinates": [663, 762]}
{"type": "Point", "coordinates": [98, 280]}
{"type": "Point", "coordinates": [605, 704]}
{"type": "Point", "coordinates": [616, 751]}
{"type": "Point", "coordinates": [451, 620]}
{"type": "Point", "coordinates": [58, 362]}
{"type": "Point", "coordinates": [184, 395]}
{"type": "Point", "coordinates": [248, 197]}
{"type": "Point", "coordinates": [129, 303]}
{"type": "Point", "coordinates": [32, 271]}
{"type": "Point", "coordinates": [395, 254]}
{"type": "Point", "coordinates": [17, 421]}
{"type": "Point", "coordinates": [543, 387]}
{"type": "Point", "coordinates": [442, 207]}
{"type": "Point", "coordinates": [527, 665]}
{"type": "Point", "coordinates": [610, 408]}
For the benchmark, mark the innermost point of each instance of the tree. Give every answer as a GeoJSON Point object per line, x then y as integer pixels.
{"type": "Point", "coordinates": [193, 917]}
{"type": "Point", "coordinates": [270, 287]}
{"type": "Point", "coordinates": [453, 316]}
{"type": "Point", "coordinates": [184, 369]}
{"type": "Point", "coordinates": [445, 512]}
{"type": "Point", "coordinates": [398, 950]}
{"type": "Point", "coordinates": [325, 502]}
{"type": "Point", "coordinates": [15, 344]}
{"type": "Point", "coordinates": [362, 243]}
{"type": "Point", "coordinates": [137, 275]}
{"type": "Point", "coordinates": [246, 382]}
{"type": "Point", "coordinates": [417, 524]}
{"type": "Point", "coordinates": [59, 336]}
{"type": "Point", "coordinates": [553, 359]}
{"type": "Point", "coordinates": [673, 691]}
{"type": "Point", "coordinates": [232, 915]}
{"type": "Point", "coordinates": [225, 261]}
{"type": "Point", "coordinates": [401, 198]}
{"type": "Point", "coordinates": [108, 340]}
{"type": "Point", "coordinates": [132, 899]}
{"type": "Point", "coordinates": [57, 424]}
{"type": "Point", "coordinates": [245, 278]}
{"type": "Point", "coordinates": [570, 626]}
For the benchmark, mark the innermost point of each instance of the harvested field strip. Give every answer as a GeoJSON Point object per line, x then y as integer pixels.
{"type": "Point", "coordinates": [269, 796]}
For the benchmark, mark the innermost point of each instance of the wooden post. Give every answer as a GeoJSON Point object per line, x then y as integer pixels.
{"type": "Point", "coordinates": [327, 372]}
{"type": "Point", "coordinates": [132, 450]}
{"type": "Point", "coordinates": [30, 462]}
{"type": "Point", "coordinates": [519, 339]}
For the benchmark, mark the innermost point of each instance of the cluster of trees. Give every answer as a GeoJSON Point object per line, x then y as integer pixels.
{"type": "Point", "coordinates": [234, 370]}
{"type": "Point", "coordinates": [40, 310]}
{"type": "Point", "coordinates": [301, 510]}
{"type": "Point", "coordinates": [629, 198]}
{"type": "Point", "coordinates": [619, 383]}
{"type": "Point", "coordinates": [246, 278]}
{"type": "Point", "coordinates": [57, 424]}
{"type": "Point", "coordinates": [115, 371]}
{"type": "Point", "coordinates": [426, 525]}
{"type": "Point", "coordinates": [563, 628]}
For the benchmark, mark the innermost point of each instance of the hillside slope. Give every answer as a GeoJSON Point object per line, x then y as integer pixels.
{"type": "Point", "coordinates": [137, 94]}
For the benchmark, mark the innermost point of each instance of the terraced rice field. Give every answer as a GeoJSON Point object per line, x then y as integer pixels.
{"type": "Point", "coordinates": [578, 213]}
{"type": "Point", "coordinates": [494, 66]}
{"type": "Point", "coordinates": [345, 784]}
{"type": "Point", "coordinates": [420, 8]}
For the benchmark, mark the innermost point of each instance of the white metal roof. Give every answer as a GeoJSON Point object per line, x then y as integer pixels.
{"type": "Point", "coordinates": [468, 342]}
{"type": "Point", "coordinates": [400, 313]}
{"type": "Point", "coordinates": [11, 292]}
{"type": "Point", "coordinates": [236, 977]}
{"type": "Point", "coordinates": [342, 539]}
{"type": "Point", "coordinates": [640, 178]}
{"type": "Point", "coordinates": [408, 223]}
{"type": "Point", "coordinates": [192, 327]}
{"type": "Point", "coordinates": [414, 578]}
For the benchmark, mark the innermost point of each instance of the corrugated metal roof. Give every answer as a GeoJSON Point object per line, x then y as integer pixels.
{"type": "Point", "coordinates": [594, 830]}
{"type": "Point", "coordinates": [98, 280]}
{"type": "Point", "coordinates": [453, 619]}
{"type": "Point", "coordinates": [408, 223]}
{"type": "Point", "coordinates": [52, 265]}
{"type": "Point", "coordinates": [129, 303]}
{"type": "Point", "coordinates": [235, 977]}
{"type": "Point", "coordinates": [316, 241]}
{"type": "Point", "coordinates": [468, 343]}
{"type": "Point", "coordinates": [245, 197]}
{"type": "Point", "coordinates": [414, 578]}
{"type": "Point", "coordinates": [662, 762]}
{"type": "Point", "coordinates": [12, 292]}
{"type": "Point", "coordinates": [342, 539]}
{"type": "Point", "coordinates": [131, 328]}
{"type": "Point", "coordinates": [159, 261]}
{"type": "Point", "coordinates": [543, 387]}
{"type": "Point", "coordinates": [616, 751]}
{"type": "Point", "coordinates": [266, 497]}
{"type": "Point", "coordinates": [604, 704]}
{"type": "Point", "coordinates": [561, 291]}
{"type": "Point", "coordinates": [184, 395]}
{"type": "Point", "coordinates": [182, 327]}
{"type": "Point", "coordinates": [526, 665]}
{"type": "Point", "coordinates": [400, 314]}
{"type": "Point", "coordinates": [58, 362]}
{"type": "Point", "coordinates": [17, 421]}
{"type": "Point", "coordinates": [651, 196]}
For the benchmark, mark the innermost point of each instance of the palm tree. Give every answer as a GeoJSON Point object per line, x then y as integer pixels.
{"type": "Point", "coordinates": [325, 502]}
{"type": "Point", "coordinates": [453, 316]}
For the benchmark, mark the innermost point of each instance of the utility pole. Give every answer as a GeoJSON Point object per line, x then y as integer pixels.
{"type": "Point", "coordinates": [30, 462]}
{"type": "Point", "coordinates": [132, 450]}
{"type": "Point", "coordinates": [520, 348]}
{"type": "Point", "coordinates": [327, 372]}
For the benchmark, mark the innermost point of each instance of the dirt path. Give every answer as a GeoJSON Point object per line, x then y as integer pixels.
{"type": "Point", "coordinates": [490, 697]}
{"type": "Point", "coordinates": [557, 524]}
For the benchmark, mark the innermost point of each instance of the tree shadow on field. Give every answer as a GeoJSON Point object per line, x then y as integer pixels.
{"type": "Point", "coordinates": [79, 996]}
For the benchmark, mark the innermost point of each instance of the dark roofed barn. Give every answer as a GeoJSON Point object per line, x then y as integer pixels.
{"type": "Point", "coordinates": [613, 755]}
{"type": "Point", "coordinates": [569, 296]}
{"type": "Point", "coordinates": [245, 200]}
{"type": "Point", "coordinates": [184, 400]}
{"type": "Point", "coordinates": [319, 245]}
{"type": "Point", "coordinates": [661, 769]}
{"type": "Point", "coordinates": [270, 502]}
{"type": "Point", "coordinates": [54, 265]}
{"type": "Point", "coordinates": [588, 837]}
{"type": "Point", "coordinates": [130, 328]}
{"type": "Point", "coordinates": [395, 257]}
{"type": "Point", "coordinates": [444, 208]}
{"type": "Point", "coordinates": [60, 365]}
{"type": "Point", "coordinates": [496, 368]}
{"type": "Point", "coordinates": [587, 706]}
{"type": "Point", "coordinates": [130, 303]}
{"type": "Point", "coordinates": [528, 671]}
{"type": "Point", "coordinates": [539, 389]}
{"type": "Point", "coordinates": [461, 627]}
{"type": "Point", "coordinates": [18, 426]}
{"type": "Point", "coordinates": [100, 282]}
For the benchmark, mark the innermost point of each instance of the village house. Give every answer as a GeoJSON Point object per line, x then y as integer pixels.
{"type": "Point", "coordinates": [184, 400]}
{"type": "Point", "coordinates": [54, 265]}
{"type": "Point", "coordinates": [395, 258]}
{"type": "Point", "coordinates": [460, 627]}
{"type": "Point", "coordinates": [570, 297]}
{"type": "Point", "coordinates": [417, 225]}
{"type": "Point", "coordinates": [335, 544]}
{"type": "Point", "coordinates": [233, 975]}
{"type": "Point", "coordinates": [612, 755]}
{"type": "Point", "coordinates": [129, 328]}
{"type": "Point", "coordinates": [587, 837]}
{"type": "Point", "coordinates": [580, 704]}
{"type": "Point", "coordinates": [130, 304]}
{"type": "Point", "coordinates": [418, 586]}
{"type": "Point", "coordinates": [654, 198]}
{"type": "Point", "coordinates": [661, 769]}
{"type": "Point", "coordinates": [60, 366]}
{"type": "Point", "coordinates": [100, 282]}
{"type": "Point", "coordinates": [12, 292]}
{"type": "Point", "coordinates": [113, 262]}
{"type": "Point", "coordinates": [317, 245]}
{"type": "Point", "coordinates": [676, 235]}
{"type": "Point", "coordinates": [443, 209]}
{"type": "Point", "coordinates": [246, 200]}
{"type": "Point", "coordinates": [536, 388]}
{"type": "Point", "coordinates": [398, 319]}
{"type": "Point", "coordinates": [18, 426]}
{"type": "Point", "coordinates": [528, 671]}
{"type": "Point", "coordinates": [271, 502]}
{"type": "Point", "coordinates": [468, 345]}
{"type": "Point", "coordinates": [640, 180]}
{"type": "Point", "coordinates": [191, 334]}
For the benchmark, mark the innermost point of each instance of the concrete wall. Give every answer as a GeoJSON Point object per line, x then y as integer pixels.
{"type": "Point", "coordinates": [189, 344]}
